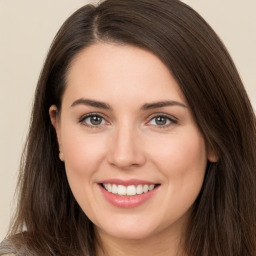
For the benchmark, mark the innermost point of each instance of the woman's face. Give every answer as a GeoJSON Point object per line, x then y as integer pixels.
{"type": "Point", "coordinates": [134, 157]}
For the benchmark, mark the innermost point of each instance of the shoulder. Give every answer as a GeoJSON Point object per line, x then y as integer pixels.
{"type": "Point", "coordinates": [7, 248]}
{"type": "Point", "coordinates": [21, 244]}
{"type": "Point", "coordinates": [14, 246]}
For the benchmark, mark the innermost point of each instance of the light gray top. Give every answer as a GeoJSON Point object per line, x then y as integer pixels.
{"type": "Point", "coordinates": [7, 248]}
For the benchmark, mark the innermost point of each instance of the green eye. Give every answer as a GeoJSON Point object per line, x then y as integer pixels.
{"type": "Point", "coordinates": [94, 120]}
{"type": "Point", "coordinates": [161, 120]}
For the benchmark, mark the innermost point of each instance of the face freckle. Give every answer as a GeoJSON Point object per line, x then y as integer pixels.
{"type": "Point", "coordinates": [125, 127]}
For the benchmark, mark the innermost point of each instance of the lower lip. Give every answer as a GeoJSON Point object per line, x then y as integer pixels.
{"type": "Point", "coordinates": [127, 201]}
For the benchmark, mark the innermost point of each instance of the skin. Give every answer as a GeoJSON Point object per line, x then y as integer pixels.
{"type": "Point", "coordinates": [129, 144]}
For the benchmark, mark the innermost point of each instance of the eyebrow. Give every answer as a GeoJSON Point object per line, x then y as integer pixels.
{"type": "Point", "coordinates": [161, 104]}
{"type": "Point", "coordinates": [92, 103]}
{"type": "Point", "coordinates": [146, 106]}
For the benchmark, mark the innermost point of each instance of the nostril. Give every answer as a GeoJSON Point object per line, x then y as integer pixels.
{"type": "Point", "coordinates": [126, 160]}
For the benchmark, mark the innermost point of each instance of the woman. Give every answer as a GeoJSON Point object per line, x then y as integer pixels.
{"type": "Point", "coordinates": [142, 140]}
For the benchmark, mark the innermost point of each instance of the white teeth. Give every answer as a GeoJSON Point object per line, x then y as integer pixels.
{"type": "Point", "coordinates": [114, 188]}
{"type": "Point", "coordinates": [145, 188]}
{"type": "Point", "coordinates": [130, 190]}
{"type": "Point", "coordinates": [139, 190]}
{"type": "Point", "coordinates": [109, 188]}
{"type": "Point", "coordinates": [151, 187]}
{"type": "Point", "coordinates": [121, 190]}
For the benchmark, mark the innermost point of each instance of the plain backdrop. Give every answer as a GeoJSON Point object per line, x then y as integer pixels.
{"type": "Point", "coordinates": [26, 30]}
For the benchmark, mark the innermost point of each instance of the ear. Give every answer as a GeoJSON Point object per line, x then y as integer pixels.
{"type": "Point", "coordinates": [212, 155]}
{"type": "Point", "coordinates": [54, 116]}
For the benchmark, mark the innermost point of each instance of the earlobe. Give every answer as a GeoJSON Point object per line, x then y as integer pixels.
{"type": "Point", "coordinates": [61, 156]}
{"type": "Point", "coordinates": [212, 156]}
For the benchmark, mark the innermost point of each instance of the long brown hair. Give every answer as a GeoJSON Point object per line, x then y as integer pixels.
{"type": "Point", "coordinates": [223, 222]}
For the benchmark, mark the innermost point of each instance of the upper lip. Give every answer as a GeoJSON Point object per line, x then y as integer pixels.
{"type": "Point", "coordinates": [126, 182]}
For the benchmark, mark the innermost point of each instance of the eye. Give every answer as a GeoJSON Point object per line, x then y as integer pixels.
{"type": "Point", "coordinates": [161, 121]}
{"type": "Point", "coordinates": [93, 120]}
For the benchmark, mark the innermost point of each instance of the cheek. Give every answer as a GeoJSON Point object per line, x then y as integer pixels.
{"type": "Point", "coordinates": [181, 154]}
{"type": "Point", "coordinates": [182, 162]}
{"type": "Point", "coordinates": [83, 156]}
{"type": "Point", "coordinates": [82, 152]}
{"type": "Point", "coordinates": [80, 156]}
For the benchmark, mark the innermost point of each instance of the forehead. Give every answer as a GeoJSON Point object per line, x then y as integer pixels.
{"type": "Point", "coordinates": [120, 71]}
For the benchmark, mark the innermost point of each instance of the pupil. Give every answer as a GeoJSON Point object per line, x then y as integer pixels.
{"type": "Point", "coordinates": [96, 120]}
{"type": "Point", "coordinates": [161, 120]}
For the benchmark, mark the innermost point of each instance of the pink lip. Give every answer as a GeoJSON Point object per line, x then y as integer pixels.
{"type": "Point", "coordinates": [126, 182]}
{"type": "Point", "coordinates": [127, 201]}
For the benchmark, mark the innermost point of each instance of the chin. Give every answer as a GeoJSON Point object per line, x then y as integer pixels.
{"type": "Point", "coordinates": [133, 235]}
{"type": "Point", "coordinates": [129, 232]}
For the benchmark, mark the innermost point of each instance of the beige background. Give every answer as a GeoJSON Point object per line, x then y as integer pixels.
{"type": "Point", "coordinates": [26, 30]}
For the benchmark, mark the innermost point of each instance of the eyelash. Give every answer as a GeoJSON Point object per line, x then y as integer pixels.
{"type": "Point", "coordinates": [169, 119]}
{"type": "Point", "coordinates": [82, 120]}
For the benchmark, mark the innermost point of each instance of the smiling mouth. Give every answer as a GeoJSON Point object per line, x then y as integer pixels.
{"type": "Point", "coordinates": [130, 190]}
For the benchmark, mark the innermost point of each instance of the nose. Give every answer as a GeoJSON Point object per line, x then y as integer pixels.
{"type": "Point", "coordinates": [126, 150]}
